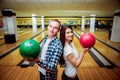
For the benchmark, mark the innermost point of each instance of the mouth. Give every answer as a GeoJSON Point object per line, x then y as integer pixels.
{"type": "Point", "coordinates": [71, 38]}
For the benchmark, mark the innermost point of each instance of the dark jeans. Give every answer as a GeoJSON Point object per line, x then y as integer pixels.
{"type": "Point", "coordinates": [64, 77]}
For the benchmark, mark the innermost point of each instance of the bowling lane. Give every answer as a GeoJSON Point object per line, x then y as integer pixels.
{"type": "Point", "coordinates": [21, 37]}
{"type": "Point", "coordinates": [3, 32]}
{"type": "Point", "coordinates": [106, 51]}
{"type": "Point", "coordinates": [14, 57]}
{"type": "Point", "coordinates": [88, 61]}
{"type": "Point", "coordinates": [104, 36]}
{"type": "Point", "coordinates": [109, 53]}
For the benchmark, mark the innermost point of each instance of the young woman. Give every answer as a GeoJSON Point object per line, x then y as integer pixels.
{"type": "Point", "coordinates": [70, 55]}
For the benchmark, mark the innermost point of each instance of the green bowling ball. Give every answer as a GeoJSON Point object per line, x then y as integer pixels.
{"type": "Point", "coordinates": [29, 49]}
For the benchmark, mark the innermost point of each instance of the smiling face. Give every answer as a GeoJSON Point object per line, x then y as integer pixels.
{"type": "Point", "coordinates": [69, 35]}
{"type": "Point", "coordinates": [53, 29]}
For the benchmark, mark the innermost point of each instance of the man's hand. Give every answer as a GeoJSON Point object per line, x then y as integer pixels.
{"type": "Point", "coordinates": [34, 60]}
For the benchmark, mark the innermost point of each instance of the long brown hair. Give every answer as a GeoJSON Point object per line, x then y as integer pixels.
{"type": "Point", "coordinates": [62, 39]}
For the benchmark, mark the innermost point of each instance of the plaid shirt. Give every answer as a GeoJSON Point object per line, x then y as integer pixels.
{"type": "Point", "coordinates": [53, 54]}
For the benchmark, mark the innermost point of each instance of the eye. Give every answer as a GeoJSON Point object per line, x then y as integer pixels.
{"type": "Point", "coordinates": [67, 32]}
{"type": "Point", "coordinates": [55, 28]}
{"type": "Point", "coordinates": [50, 25]}
{"type": "Point", "coordinates": [71, 31]}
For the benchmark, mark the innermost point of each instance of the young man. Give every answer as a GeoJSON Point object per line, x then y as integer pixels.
{"type": "Point", "coordinates": [51, 50]}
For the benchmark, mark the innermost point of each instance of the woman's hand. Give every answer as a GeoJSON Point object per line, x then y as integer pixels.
{"type": "Point", "coordinates": [84, 50]}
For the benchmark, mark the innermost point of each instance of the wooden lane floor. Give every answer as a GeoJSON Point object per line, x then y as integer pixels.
{"type": "Point", "coordinates": [21, 37]}
{"type": "Point", "coordinates": [103, 36]}
{"type": "Point", "coordinates": [108, 52]}
{"type": "Point", "coordinates": [17, 73]}
{"type": "Point", "coordinates": [90, 73]}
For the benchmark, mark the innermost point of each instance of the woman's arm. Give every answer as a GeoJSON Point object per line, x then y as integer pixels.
{"type": "Point", "coordinates": [77, 61]}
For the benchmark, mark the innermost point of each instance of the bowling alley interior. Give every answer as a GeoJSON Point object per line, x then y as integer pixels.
{"type": "Point", "coordinates": [22, 20]}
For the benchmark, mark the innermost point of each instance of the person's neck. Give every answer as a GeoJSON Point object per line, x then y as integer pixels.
{"type": "Point", "coordinates": [68, 42]}
{"type": "Point", "coordinates": [50, 37]}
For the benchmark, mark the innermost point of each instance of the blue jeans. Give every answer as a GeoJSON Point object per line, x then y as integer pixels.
{"type": "Point", "coordinates": [48, 76]}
